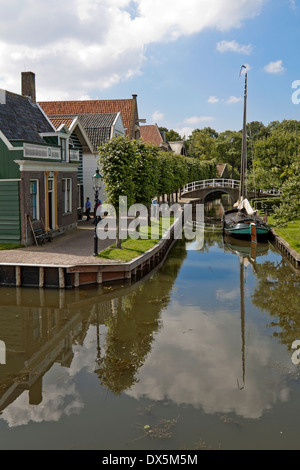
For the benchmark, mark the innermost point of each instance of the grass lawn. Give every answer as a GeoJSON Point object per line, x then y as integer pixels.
{"type": "Point", "coordinates": [290, 233]}
{"type": "Point", "coordinates": [133, 248]}
{"type": "Point", "coordinates": [9, 246]}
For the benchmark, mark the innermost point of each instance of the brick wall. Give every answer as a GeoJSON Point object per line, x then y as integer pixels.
{"type": "Point", "coordinates": [64, 221]}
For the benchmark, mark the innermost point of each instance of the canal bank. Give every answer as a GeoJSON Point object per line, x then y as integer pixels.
{"type": "Point", "coordinates": [285, 249]}
{"type": "Point", "coordinates": [67, 262]}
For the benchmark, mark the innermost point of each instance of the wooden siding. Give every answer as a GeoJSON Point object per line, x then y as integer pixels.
{"type": "Point", "coordinates": [8, 168]}
{"type": "Point", "coordinates": [10, 230]}
{"type": "Point", "coordinates": [77, 146]}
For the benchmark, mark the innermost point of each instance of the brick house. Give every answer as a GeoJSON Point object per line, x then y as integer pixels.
{"type": "Point", "coordinates": [99, 128]}
{"type": "Point", "coordinates": [102, 119]}
{"type": "Point", "coordinates": [152, 135]}
{"type": "Point", "coordinates": [38, 168]}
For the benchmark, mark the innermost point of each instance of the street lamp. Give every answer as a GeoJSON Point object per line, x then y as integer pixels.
{"type": "Point", "coordinates": [96, 186]}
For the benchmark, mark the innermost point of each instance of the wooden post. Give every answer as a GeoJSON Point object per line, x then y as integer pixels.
{"type": "Point", "coordinates": [18, 276]}
{"type": "Point", "coordinates": [61, 278]}
{"type": "Point", "coordinates": [253, 233]}
{"type": "Point", "coordinates": [41, 277]}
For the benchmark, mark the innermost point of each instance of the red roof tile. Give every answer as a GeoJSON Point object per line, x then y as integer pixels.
{"type": "Point", "coordinates": [151, 135]}
{"type": "Point", "coordinates": [127, 108]}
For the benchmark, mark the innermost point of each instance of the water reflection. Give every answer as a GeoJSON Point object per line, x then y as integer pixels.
{"type": "Point", "coordinates": [194, 334]}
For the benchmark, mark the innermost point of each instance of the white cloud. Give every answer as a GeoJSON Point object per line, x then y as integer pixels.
{"type": "Point", "coordinates": [157, 116]}
{"type": "Point", "coordinates": [78, 47]}
{"type": "Point", "coordinates": [233, 100]}
{"type": "Point", "coordinates": [233, 46]}
{"type": "Point", "coordinates": [213, 100]}
{"type": "Point", "coordinates": [275, 67]}
{"type": "Point", "coordinates": [198, 120]}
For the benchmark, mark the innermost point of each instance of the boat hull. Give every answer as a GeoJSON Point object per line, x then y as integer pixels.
{"type": "Point", "coordinates": [242, 228]}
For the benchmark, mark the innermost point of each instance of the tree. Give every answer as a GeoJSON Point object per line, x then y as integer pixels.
{"type": "Point", "coordinates": [290, 207]}
{"type": "Point", "coordinates": [118, 162]}
{"type": "Point", "coordinates": [147, 172]}
{"type": "Point", "coordinates": [173, 136]}
{"type": "Point", "coordinates": [229, 149]}
{"type": "Point", "coordinates": [202, 144]}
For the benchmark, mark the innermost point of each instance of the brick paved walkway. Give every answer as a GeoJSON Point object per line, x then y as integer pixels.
{"type": "Point", "coordinates": [75, 247]}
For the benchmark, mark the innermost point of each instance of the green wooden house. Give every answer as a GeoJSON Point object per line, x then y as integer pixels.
{"type": "Point", "coordinates": [39, 178]}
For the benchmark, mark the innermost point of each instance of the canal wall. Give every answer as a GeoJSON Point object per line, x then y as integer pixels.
{"type": "Point", "coordinates": [286, 250]}
{"type": "Point", "coordinates": [75, 276]}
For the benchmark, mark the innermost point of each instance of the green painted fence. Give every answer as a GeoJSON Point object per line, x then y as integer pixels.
{"type": "Point", "coordinates": [10, 229]}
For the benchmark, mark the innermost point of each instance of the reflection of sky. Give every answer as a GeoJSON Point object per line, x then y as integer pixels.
{"type": "Point", "coordinates": [196, 357]}
{"type": "Point", "coordinates": [60, 395]}
{"type": "Point", "coordinates": [197, 360]}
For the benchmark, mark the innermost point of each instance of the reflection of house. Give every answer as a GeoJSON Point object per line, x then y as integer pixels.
{"type": "Point", "coordinates": [152, 135]}
{"type": "Point", "coordinates": [99, 128]}
{"type": "Point", "coordinates": [36, 337]}
{"type": "Point", "coordinates": [38, 171]}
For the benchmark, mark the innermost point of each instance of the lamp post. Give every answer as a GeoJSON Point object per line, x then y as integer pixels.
{"type": "Point", "coordinates": [96, 186]}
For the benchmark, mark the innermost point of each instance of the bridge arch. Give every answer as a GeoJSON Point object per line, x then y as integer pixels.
{"type": "Point", "coordinates": [220, 192]}
{"type": "Point", "coordinates": [202, 189]}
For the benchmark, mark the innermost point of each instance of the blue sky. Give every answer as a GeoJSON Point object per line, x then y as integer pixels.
{"type": "Point", "coordinates": [181, 58]}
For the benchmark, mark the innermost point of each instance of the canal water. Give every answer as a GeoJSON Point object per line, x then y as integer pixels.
{"type": "Point", "coordinates": [197, 355]}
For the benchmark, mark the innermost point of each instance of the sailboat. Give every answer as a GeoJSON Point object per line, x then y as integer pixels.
{"type": "Point", "coordinates": [242, 221]}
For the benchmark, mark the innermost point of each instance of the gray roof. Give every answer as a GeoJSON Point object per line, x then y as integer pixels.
{"type": "Point", "coordinates": [22, 120]}
{"type": "Point", "coordinates": [97, 126]}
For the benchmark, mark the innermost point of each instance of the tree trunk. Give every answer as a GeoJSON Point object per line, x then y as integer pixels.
{"type": "Point", "coordinates": [118, 240]}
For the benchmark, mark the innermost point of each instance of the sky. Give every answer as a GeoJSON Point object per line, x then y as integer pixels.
{"type": "Point", "coordinates": [182, 59]}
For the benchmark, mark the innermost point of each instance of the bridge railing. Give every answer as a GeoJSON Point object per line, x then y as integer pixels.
{"type": "Point", "coordinates": [213, 183]}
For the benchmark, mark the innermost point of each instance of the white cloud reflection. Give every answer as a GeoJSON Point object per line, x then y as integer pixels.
{"type": "Point", "coordinates": [211, 345]}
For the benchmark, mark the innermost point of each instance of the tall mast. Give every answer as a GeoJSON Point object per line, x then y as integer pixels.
{"type": "Point", "coordinates": [244, 144]}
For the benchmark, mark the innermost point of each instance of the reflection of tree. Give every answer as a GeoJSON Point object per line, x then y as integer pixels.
{"type": "Point", "coordinates": [277, 292]}
{"type": "Point", "coordinates": [134, 323]}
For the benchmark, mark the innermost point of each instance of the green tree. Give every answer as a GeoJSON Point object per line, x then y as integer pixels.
{"type": "Point", "coordinates": [173, 136]}
{"type": "Point", "coordinates": [290, 207]}
{"type": "Point", "coordinates": [118, 162]}
{"type": "Point", "coordinates": [229, 149]}
{"type": "Point", "coordinates": [202, 144]}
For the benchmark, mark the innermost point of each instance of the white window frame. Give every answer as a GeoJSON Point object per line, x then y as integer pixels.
{"type": "Point", "coordinates": [37, 198]}
{"type": "Point", "coordinates": [67, 195]}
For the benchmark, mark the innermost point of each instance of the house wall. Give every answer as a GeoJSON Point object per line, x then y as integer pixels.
{"type": "Point", "coordinates": [10, 227]}
{"type": "Point", "coordinates": [9, 169]}
{"type": "Point", "coordinates": [119, 128]}
{"type": "Point", "coordinates": [90, 162]}
{"type": "Point", "coordinates": [64, 221]}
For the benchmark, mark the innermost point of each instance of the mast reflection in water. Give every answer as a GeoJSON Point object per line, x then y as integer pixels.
{"type": "Point", "coordinates": [196, 355]}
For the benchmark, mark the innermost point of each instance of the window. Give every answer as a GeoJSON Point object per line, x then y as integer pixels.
{"type": "Point", "coordinates": [63, 144]}
{"type": "Point", "coordinates": [67, 195]}
{"type": "Point", "coordinates": [34, 200]}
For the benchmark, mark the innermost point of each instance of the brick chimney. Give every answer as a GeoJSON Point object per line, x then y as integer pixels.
{"type": "Point", "coordinates": [28, 85]}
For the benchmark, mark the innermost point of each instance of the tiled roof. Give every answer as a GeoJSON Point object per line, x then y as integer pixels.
{"type": "Point", "coordinates": [125, 106]}
{"type": "Point", "coordinates": [97, 126]}
{"type": "Point", "coordinates": [221, 169]}
{"type": "Point", "coordinates": [151, 135]}
{"type": "Point", "coordinates": [22, 120]}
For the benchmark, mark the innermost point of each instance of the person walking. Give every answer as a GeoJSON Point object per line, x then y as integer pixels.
{"type": "Point", "coordinates": [88, 209]}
